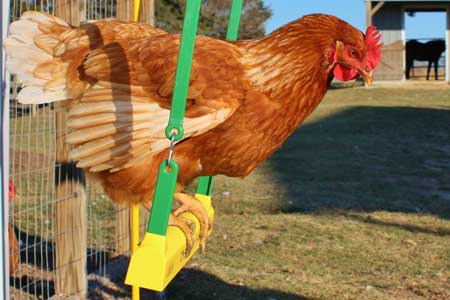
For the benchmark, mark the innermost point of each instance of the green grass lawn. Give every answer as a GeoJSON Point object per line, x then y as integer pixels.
{"type": "Point", "coordinates": [356, 205]}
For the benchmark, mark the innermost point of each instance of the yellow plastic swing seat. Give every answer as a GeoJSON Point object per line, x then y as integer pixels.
{"type": "Point", "coordinates": [159, 258]}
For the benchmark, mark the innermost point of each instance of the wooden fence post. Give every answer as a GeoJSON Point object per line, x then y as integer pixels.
{"type": "Point", "coordinates": [146, 15]}
{"type": "Point", "coordinates": [122, 231]}
{"type": "Point", "coordinates": [70, 207]}
{"type": "Point", "coordinates": [71, 11]}
{"type": "Point", "coordinates": [71, 220]}
{"type": "Point", "coordinates": [147, 12]}
{"type": "Point", "coordinates": [125, 10]}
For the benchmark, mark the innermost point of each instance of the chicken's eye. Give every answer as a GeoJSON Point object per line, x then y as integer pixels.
{"type": "Point", "coordinates": [353, 53]}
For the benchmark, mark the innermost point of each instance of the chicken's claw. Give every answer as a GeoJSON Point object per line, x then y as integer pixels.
{"type": "Point", "coordinates": [192, 205]}
{"type": "Point", "coordinates": [187, 226]}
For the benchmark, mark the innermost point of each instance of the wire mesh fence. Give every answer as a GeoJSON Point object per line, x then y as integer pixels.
{"type": "Point", "coordinates": [100, 9]}
{"type": "Point", "coordinates": [35, 210]}
{"type": "Point", "coordinates": [32, 156]}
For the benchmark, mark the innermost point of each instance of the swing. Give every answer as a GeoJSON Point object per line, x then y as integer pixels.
{"type": "Point", "coordinates": [161, 254]}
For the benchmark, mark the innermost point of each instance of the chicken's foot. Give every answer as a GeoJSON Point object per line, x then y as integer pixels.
{"type": "Point", "coordinates": [189, 204]}
{"type": "Point", "coordinates": [187, 226]}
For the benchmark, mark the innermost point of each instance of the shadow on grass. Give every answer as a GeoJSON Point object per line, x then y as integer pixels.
{"type": "Point", "coordinates": [188, 284]}
{"type": "Point", "coordinates": [36, 263]}
{"type": "Point", "coordinates": [408, 227]}
{"type": "Point", "coordinates": [38, 255]}
{"type": "Point", "coordinates": [200, 285]}
{"type": "Point", "coordinates": [42, 289]}
{"type": "Point", "coordinates": [369, 159]}
{"type": "Point", "coordinates": [39, 252]}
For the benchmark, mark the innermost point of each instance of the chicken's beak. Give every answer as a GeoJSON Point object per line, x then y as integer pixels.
{"type": "Point", "coordinates": [367, 76]}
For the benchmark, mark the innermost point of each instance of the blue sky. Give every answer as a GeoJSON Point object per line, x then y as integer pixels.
{"type": "Point", "coordinates": [423, 25]}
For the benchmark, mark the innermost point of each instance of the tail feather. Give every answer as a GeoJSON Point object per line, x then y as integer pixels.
{"type": "Point", "coordinates": [47, 42]}
{"type": "Point", "coordinates": [37, 95]}
{"type": "Point", "coordinates": [24, 28]}
{"type": "Point", "coordinates": [43, 18]}
{"type": "Point", "coordinates": [32, 50]}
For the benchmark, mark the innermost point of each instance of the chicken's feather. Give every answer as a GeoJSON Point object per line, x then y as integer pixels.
{"type": "Point", "coordinates": [139, 76]}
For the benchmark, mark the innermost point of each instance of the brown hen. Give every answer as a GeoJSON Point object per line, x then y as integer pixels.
{"type": "Point", "coordinates": [245, 98]}
{"type": "Point", "coordinates": [13, 242]}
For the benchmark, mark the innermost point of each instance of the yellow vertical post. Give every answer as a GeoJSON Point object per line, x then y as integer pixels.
{"type": "Point", "coordinates": [135, 293]}
{"type": "Point", "coordinates": [134, 243]}
{"type": "Point", "coordinates": [137, 4]}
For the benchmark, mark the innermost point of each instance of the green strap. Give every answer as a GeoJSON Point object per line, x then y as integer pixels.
{"type": "Point", "coordinates": [235, 17]}
{"type": "Point", "coordinates": [162, 203]}
{"type": "Point", "coordinates": [168, 171]}
{"type": "Point", "coordinates": [183, 69]}
{"type": "Point", "coordinates": [205, 183]}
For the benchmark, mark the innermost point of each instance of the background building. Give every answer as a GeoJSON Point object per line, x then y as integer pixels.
{"type": "Point", "coordinates": [389, 17]}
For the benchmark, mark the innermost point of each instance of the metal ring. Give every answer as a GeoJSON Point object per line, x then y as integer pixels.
{"type": "Point", "coordinates": [172, 146]}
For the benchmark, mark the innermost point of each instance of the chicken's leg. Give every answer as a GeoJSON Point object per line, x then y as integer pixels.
{"type": "Point", "coordinates": [189, 204]}
{"type": "Point", "coordinates": [192, 205]}
{"type": "Point", "coordinates": [187, 226]}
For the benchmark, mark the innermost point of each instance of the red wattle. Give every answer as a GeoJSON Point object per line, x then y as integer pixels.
{"type": "Point", "coordinates": [343, 74]}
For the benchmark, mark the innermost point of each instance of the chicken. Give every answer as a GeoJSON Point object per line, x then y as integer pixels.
{"type": "Point", "coordinates": [245, 98]}
{"type": "Point", "coordinates": [13, 250]}
{"type": "Point", "coordinates": [13, 243]}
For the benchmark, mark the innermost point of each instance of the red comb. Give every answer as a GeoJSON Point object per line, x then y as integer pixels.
{"type": "Point", "coordinates": [373, 38]}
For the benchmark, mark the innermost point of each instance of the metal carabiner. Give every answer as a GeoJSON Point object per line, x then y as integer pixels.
{"type": "Point", "coordinates": [172, 146]}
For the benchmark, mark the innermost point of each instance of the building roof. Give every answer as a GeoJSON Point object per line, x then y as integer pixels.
{"type": "Point", "coordinates": [416, 5]}
{"type": "Point", "coordinates": [423, 1]}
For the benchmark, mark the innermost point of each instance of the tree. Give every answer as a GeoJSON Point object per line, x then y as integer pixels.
{"type": "Point", "coordinates": [169, 15]}
{"type": "Point", "coordinates": [214, 17]}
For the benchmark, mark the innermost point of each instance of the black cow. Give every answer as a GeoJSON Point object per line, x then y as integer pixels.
{"type": "Point", "coordinates": [430, 51]}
